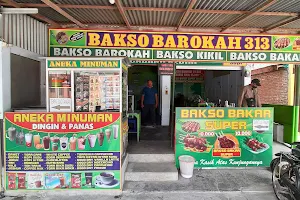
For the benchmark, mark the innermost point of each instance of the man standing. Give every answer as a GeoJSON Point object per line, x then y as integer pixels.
{"type": "Point", "coordinates": [149, 102]}
{"type": "Point", "coordinates": [249, 95]}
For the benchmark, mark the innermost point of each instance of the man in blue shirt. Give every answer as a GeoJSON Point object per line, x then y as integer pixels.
{"type": "Point", "coordinates": [149, 102]}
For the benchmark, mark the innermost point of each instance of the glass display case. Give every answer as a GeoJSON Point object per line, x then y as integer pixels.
{"type": "Point", "coordinates": [87, 85]}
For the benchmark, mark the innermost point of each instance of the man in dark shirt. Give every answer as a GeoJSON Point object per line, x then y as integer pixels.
{"type": "Point", "coordinates": [149, 101]}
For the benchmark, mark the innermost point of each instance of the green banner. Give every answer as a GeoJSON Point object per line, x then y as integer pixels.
{"type": "Point", "coordinates": [179, 47]}
{"type": "Point", "coordinates": [83, 64]}
{"type": "Point", "coordinates": [225, 137]}
{"type": "Point", "coordinates": [47, 151]}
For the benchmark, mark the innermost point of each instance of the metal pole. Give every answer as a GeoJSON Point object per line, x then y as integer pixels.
{"type": "Point", "coordinates": [173, 106]}
{"type": "Point", "coordinates": [297, 85]}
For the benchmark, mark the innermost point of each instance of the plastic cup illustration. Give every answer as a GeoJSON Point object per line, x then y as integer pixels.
{"type": "Point", "coordinates": [73, 143]}
{"type": "Point", "coordinates": [54, 146]}
{"type": "Point", "coordinates": [64, 143]}
{"type": "Point", "coordinates": [46, 142]}
{"type": "Point", "coordinates": [12, 132]}
{"type": "Point", "coordinates": [108, 134]}
{"type": "Point", "coordinates": [100, 137]}
{"type": "Point", "coordinates": [92, 140]}
{"type": "Point", "coordinates": [20, 138]}
{"type": "Point", "coordinates": [55, 139]}
{"type": "Point", "coordinates": [28, 139]}
{"type": "Point", "coordinates": [36, 140]}
{"type": "Point", "coordinates": [81, 143]}
{"type": "Point", "coordinates": [115, 131]}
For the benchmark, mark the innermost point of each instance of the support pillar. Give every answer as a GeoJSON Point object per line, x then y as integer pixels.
{"type": "Point", "coordinates": [297, 85]}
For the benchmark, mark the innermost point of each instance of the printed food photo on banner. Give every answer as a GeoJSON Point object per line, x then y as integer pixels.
{"type": "Point", "coordinates": [44, 151]}
{"type": "Point", "coordinates": [226, 137]}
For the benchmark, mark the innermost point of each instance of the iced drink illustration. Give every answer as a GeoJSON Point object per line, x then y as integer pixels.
{"type": "Point", "coordinates": [81, 143]}
{"type": "Point", "coordinates": [55, 139]}
{"type": "Point", "coordinates": [108, 134]}
{"type": "Point", "coordinates": [54, 146]}
{"type": "Point", "coordinates": [20, 138]}
{"type": "Point", "coordinates": [36, 140]}
{"type": "Point", "coordinates": [92, 140]}
{"type": "Point", "coordinates": [28, 139]}
{"type": "Point", "coordinates": [115, 131]}
{"type": "Point", "coordinates": [73, 143]}
{"type": "Point", "coordinates": [100, 137]}
{"type": "Point", "coordinates": [64, 143]}
{"type": "Point", "coordinates": [46, 142]}
{"type": "Point", "coordinates": [12, 132]}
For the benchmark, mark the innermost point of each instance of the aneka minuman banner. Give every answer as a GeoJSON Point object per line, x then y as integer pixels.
{"type": "Point", "coordinates": [46, 151]}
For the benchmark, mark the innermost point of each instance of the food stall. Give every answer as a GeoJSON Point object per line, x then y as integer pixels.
{"type": "Point", "coordinates": [80, 143]}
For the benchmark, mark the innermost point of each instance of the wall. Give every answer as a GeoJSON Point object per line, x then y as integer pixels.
{"type": "Point", "coordinates": [224, 85]}
{"type": "Point", "coordinates": [275, 84]}
{"type": "Point", "coordinates": [25, 82]}
{"type": "Point", "coordinates": [24, 32]}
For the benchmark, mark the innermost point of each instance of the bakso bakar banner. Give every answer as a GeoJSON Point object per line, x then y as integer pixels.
{"type": "Point", "coordinates": [175, 46]}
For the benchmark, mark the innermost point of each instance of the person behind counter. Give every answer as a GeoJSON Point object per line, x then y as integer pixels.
{"type": "Point", "coordinates": [249, 96]}
{"type": "Point", "coordinates": [149, 102]}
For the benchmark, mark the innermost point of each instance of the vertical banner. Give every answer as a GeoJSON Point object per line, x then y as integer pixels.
{"type": "Point", "coordinates": [225, 137]}
{"type": "Point", "coordinates": [47, 151]}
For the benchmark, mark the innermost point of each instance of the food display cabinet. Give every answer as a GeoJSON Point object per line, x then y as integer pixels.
{"type": "Point", "coordinates": [87, 85]}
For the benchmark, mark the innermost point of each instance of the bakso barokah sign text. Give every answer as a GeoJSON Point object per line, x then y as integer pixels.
{"type": "Point", "coordinates": [225, 137]}
{"type": "Point", "coordinates": [62, 151]}
{"type": "Point", "coordinates": [175, 46]}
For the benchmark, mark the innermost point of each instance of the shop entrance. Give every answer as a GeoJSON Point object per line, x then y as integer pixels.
{"type": "Point", "coordinates": [137, 80]}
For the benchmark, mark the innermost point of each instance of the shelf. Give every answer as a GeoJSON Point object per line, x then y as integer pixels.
{"type": "Point", "coordinates": [58, 87]}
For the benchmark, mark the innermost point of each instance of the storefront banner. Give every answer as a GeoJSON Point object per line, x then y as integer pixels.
{"type": "Point", "coordinates": [62, 150]}
{"type": "Point", "coordinates": [189, 76]}
{"type": "Point", "coordinates": [83, 64]}
{"type": "Point", "coordinates": [174, 46]}
{"type": "Point", "coordinates": [225, 137]}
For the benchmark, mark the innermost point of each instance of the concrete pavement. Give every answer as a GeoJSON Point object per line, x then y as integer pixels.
{"type": "Point", "coordinates": [164, 196]}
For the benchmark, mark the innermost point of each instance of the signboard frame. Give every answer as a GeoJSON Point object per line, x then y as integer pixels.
{"type": "Point", "coordinates": [109, 120]}
{"type": "Point", "coordinates": [224, 137]}
{"type": "Point", "coordinates": [174, 46]}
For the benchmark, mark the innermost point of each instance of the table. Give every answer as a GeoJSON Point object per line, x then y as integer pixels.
{"type": "Point", "coordinates": [137, 115]}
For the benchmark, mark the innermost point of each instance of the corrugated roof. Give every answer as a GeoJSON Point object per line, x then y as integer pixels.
{"type": "Point", "coordinates": [260, 21]}
{"type": "Point", "coordinates": [28, 1]}
{"type": "Point", "coordinates": [84, 2]}
{"type": "Point", "coordinates": [96, 16]}
{"type": "Point", "coordinates": [228, 4]}
{"type": "Point", "coordinates": [53, 15]}
{"type": "Point", "coordinates": [156, 3]}
{"type": "Point", "coordinates": [285, 6]}
{"type": "Point", "coordinates": [142, 13]}
{"type": "Point", "coordinates": [153, 18]}
{"type": "Point", "coordinates": [295, 25]}
{"type": "Point", "coordinates": [209, 20]}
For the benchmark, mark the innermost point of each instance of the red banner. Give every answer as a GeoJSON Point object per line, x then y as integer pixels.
{"type": "Point", "coordinates": [62, 122]}
{"type": "Point", "coordinates": [191, 76]}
